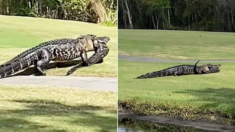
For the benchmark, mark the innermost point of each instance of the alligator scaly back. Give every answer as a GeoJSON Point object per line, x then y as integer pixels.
{"type": "Point", "coordinates": [27, 58]}
{"type": "Point", "coordinates": [182, 70]}
{"type": "Point", "coordinates": [172, 71]}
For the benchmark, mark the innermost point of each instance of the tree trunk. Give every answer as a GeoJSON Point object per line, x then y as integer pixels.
{"type": "Point", "coordinates": [8, 9]}
{"type": "Point", "coordinates": [156, 19]}
{"type": "Point", "coordinates": [124, 15]}
{"type": "Point", "coordinates": [47, 12]}
{"type": "Point", "coordinates": [37, 7]}
{"type": "Point", "coordinates": [163, 24]}
{"type": "Point", "coordinates": [232, 20]}
{"type": "Point", "coordinates": [30, 4]}
{"type": "Point", "coordinates": [111, 5]}
{"type": "Point", "coordinates": [163, 17]}
{"type": "Point", "coordinates": [154, 25]}
{"type": "Point", "coordinates": [99, 9]}
{"type": "Point", "coordinates": [129, 15]}
{"type": "Point", "coordinates": [169, 19]}
{"type": "Point", "coordinates": [138, 7]}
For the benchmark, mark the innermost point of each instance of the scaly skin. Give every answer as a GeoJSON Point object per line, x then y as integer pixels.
{"type": "Point", "coordinates": [55, 50]}
{"type": "Point", "coordinates": [182, 70]}
{"type": "Point", "coordinates": [95, 58]}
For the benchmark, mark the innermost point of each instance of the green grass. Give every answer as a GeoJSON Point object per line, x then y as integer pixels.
{"type": "Point", "coordinates": [20, 33]}
{"type": "Point", "coordinates": [209, 97]}
{"type": "Point", "coordinates": [177, 44]}
{"type": "Point", "coordinates": [30, 109]}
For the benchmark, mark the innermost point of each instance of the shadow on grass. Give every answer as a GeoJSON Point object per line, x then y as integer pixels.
{"type": "Point", "coordinates": [218, 100]}
{"type": "Point", "coordinates": [31, 70]}
{"type": "Point", "coordinates": [20, 120]}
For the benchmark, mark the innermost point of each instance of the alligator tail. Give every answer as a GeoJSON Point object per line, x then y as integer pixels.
{"type": "Point", "coordinates": [12, 67]}
{"type": "Point", "coordinates": [153, 74]}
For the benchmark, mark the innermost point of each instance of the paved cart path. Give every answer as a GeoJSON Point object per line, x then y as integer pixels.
{"type": "Point", "coordinates": [145, 59]}
{"type": "Point", "coordinates": [89, 83]}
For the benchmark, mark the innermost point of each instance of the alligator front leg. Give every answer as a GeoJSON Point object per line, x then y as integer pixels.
{"type": "Point", "coordinates": [175, 73]}
{"type": "Point", "coordinates": [95, 58]}
{"type": "Point", "coordinates": [42, 62]}
{"type": "Point", "coordinates": [72, 70]}
{"type": "Point", "coordinates": [100, 50]}
{"type": "Point", "coordinates": [85, 61]}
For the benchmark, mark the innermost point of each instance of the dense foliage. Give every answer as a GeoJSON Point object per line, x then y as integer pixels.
{"type": "Point", "coordinates": [204, 15]}
{"type": "Point", "coordinates": [102, 11]}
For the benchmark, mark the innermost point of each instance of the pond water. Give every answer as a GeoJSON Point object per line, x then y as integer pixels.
{"type": "Point", "coordinates": [132, 125]}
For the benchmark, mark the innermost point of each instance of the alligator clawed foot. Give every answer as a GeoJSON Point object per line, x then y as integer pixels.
{"type": "Point", "coordinates": [68, 73]}
{"type": "Point", "coordinates": [100, 61]}
{"type": "Point", "coordinates": [72, 70]}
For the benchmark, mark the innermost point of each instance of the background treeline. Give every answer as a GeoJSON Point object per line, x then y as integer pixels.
{"type": "Point", "coordinates": [103, 11]}
{"type": "Point", "coordinates": [203, 15]}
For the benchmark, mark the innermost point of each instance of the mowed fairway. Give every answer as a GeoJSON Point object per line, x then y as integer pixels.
{"type": "Point", "coordinates": [201, 97]}
{"type": "Point", "coordinates": [21, 33]}
{"type": "Point", "coordinates": [30, 109]}
{"type": "Point", "coordinates": [176, 44]}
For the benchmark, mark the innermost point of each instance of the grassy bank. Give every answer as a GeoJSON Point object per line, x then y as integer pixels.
{"type": "Point", "coordinates": [26, 109]}
{"type": "Point", "coordinates": [20, 33]}
{"type": "Point", "coordinates": [194, 97]}
{"type": "Point", "coordinates": [176, 44]}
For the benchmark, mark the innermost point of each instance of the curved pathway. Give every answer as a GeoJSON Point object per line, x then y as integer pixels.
{"type": "Point", "coordinates": [89, 83]}
{"type": "Point", "coordinates": [145, 59]}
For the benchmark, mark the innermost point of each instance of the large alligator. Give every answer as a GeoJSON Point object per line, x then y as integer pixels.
{"type": "Point", "coordinates": [56, 50]}
{"type": "Point", "coordinates": [183, 70]}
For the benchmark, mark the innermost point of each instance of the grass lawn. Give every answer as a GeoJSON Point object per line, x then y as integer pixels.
{"type": "Point", "coordinates": [20, 33]}
{"type": "Point", "coordinates": [205, 97]}
{"type": "Point", "coordinates": [176, 44]}
{"type": "Point", "coordinates": [25, 109]}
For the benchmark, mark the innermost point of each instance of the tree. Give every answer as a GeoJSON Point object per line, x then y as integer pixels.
{"type": "Point", "coordinates": [80, 10]}
{"type": "Point", "coordinates": [203, 15]}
